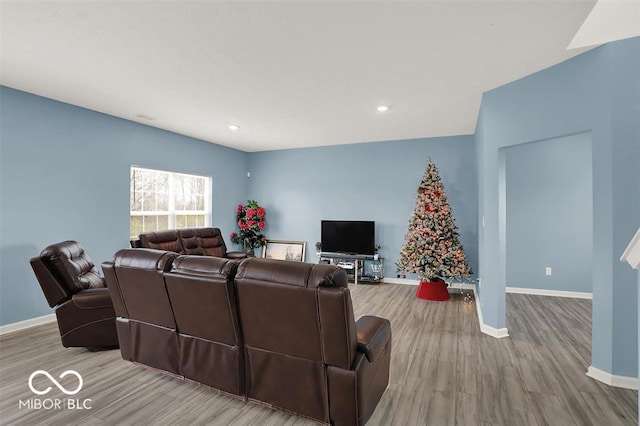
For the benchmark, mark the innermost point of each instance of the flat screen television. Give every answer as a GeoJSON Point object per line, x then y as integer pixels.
{"type": "Point", "coordinates": [348, 236]}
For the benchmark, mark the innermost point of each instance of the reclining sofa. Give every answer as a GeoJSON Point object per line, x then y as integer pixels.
{"type": "Point", "coordinates": [273, 332]}
{"type": "Point", "coordinates": [200, 241]}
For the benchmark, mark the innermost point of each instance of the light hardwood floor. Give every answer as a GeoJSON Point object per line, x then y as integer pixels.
{"type": "Point", "coordinates": [443, 372]}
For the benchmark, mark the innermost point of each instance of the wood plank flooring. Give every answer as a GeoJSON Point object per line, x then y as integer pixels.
{"type": "Point", "coordinates": [443, 372]}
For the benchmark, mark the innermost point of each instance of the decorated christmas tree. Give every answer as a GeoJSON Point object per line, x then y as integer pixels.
{"type": "Point", "coordinates": [432, 248]}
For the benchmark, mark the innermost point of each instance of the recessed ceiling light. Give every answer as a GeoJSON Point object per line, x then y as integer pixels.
{"type": "Point", "coordinates": [382, 108]}
{"type": "Point", "coordinates": [234, 127]}
{"type": "Point", "coordinates": [145, 117]}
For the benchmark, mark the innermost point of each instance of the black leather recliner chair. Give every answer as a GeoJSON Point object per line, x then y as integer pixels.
{"type": "Point", "coordinates": [73, 286]}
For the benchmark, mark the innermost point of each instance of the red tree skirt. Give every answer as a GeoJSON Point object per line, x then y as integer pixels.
{"type": "Point", "coordinates": [435, 290]}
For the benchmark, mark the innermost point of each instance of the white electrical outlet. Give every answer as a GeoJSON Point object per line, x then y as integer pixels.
{"type": "Point", "coordinates": [547, 270]}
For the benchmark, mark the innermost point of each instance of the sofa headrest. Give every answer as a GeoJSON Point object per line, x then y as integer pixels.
{"type": "Point", "coordinates": [202, 241]}
{"type": "Point", "coordinates": [204, 265]}
{"type": "Point", "coordinates": [72, 266]}
{"type": "Point", "coordinates": [199, 232]}
{"type": "Point", "coordinates": [297, 274]}
{"type": "Point", "coordinates": [162, 240]}
{"type": "Point", "coordinates": [142, 258]}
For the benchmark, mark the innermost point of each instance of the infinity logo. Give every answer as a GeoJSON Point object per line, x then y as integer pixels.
{"type": "Point", "coordinates": [55, 382]}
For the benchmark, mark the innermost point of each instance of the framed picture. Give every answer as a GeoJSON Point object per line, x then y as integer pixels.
{"type": "Point", "coordinates": [284, 250]}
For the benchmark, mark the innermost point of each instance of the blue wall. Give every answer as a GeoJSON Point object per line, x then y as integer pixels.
{"type": "Point", "coordinates": [64, 174]}
{"type": "Point", "coordinates": [549, 204]}
{"type": "Point", "coordinates": [370, 181]}
{"type": "Point", "coordinates": [595, 92]}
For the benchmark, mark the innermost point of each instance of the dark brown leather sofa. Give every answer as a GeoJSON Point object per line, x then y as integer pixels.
{"type": "Point", "coordinates": [277, 333]}
{"type": "Point", "coordinates": [198, 241]}
{"type": "Point", "coordinates": [304, 351]}
{"type": "Point", "coordinates": [73, 286]}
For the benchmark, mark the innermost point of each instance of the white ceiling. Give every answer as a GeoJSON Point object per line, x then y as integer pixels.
{"type": "Point", "coordinates": [290, 74]}
{"type": "Point", "coordinates": [609, 20]}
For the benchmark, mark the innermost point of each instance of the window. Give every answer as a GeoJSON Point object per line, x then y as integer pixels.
{"type": "Point", "coordinates": [164, 200]}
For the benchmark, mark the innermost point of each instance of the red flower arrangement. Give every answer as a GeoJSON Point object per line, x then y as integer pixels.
{"type": "Point", "coordinates": [251, 221]}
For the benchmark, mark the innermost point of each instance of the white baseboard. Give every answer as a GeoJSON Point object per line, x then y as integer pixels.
{"type": "Point", "coordinates": [464, 286]}
{"type": "Point", "coordinates": [624, 382]}
{"type": "Point", "coordinates": [403, 281]}
{"type": "Point", "coordinates": [407, 281]}
{"type": "Point", "coordinates": [554, 293]}
{"type": "Point", "coordinates": [487, 329]}
{"type": "Point", "coordinates": [23, 325]}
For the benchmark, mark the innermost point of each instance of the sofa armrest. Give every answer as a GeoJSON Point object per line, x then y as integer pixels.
{"type": "Point", "coordinates": [373, 335]}
{"type": "Point", "coordinates": [237, 255]}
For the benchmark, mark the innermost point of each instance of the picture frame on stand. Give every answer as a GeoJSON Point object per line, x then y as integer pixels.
{"type": "Point", "coordinates": [284, 250]}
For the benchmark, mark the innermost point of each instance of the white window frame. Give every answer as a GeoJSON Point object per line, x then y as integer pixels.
{"type": "Point", "coordinates": [172, 212]}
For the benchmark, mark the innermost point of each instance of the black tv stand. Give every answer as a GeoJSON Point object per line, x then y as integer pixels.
{"type": "Point", "coordinates": [354, 264]}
